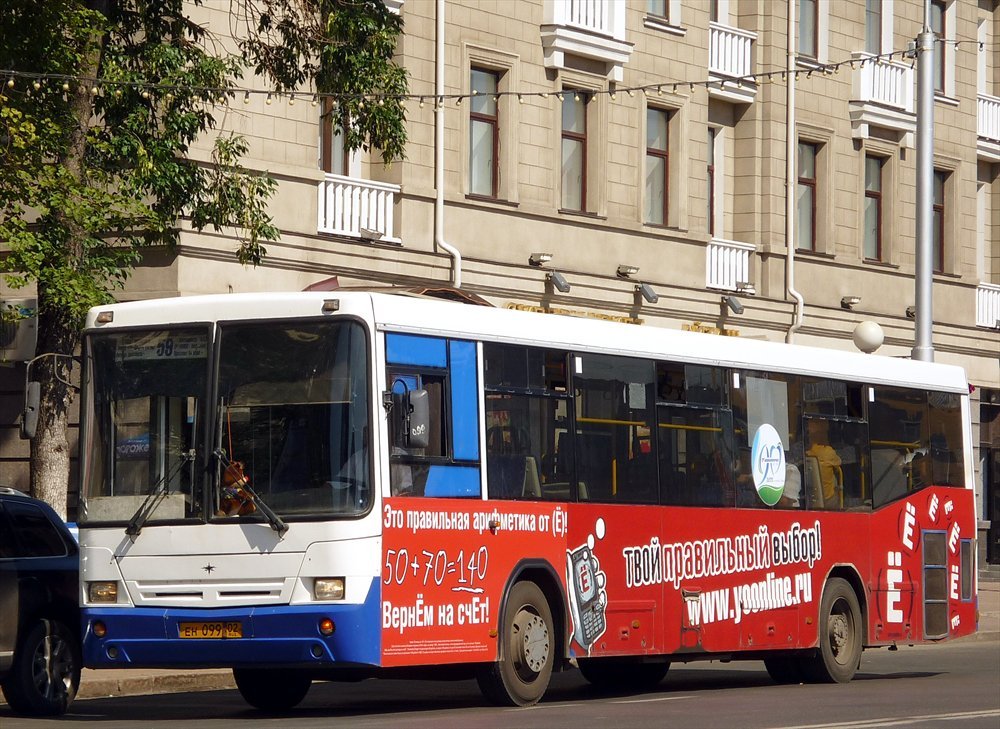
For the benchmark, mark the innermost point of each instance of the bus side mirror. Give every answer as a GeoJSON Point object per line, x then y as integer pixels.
{"type": "Point", "coordinates": [29, 418]}
{"type": "Point", "coordinates": [417, 418]}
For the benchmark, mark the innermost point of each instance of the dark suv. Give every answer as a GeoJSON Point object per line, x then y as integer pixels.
{"type": "Point", "coordinates": [39, 607]}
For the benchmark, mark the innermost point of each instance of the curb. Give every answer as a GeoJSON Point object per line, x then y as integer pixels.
{"type": "Point", "coordinates": [105, 684]}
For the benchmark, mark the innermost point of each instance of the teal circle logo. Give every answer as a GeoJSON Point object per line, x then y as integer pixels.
{"type": "Point", "coordinates": [767, 462]}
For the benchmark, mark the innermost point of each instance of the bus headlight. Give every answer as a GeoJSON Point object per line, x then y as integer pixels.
{"type": "Point", "coordinates": [329, 588]}
{"type": "Point", "coordinates": [102, 591]}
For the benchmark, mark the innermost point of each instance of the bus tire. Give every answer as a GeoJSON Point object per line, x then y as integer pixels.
{"type": "Point", "coordinates": [784, 669]}
{"type": "Point", "coordinates": [613, 673]}
{"type": "Point", "coordinates": [45, 675]}
{"type": "Point", "coordinates": [527, 650]}
{"type": "Point", "coordinates": [836, 660]}
{"type": "Point", "coordinates": [271, 690]}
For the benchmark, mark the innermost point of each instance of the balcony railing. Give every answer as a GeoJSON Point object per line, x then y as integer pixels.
{"type": "Point", "coordinates": [727, 264]}
{"type": "Point", "coordinates": [358, 208]}
{"type": "Point", "coordinates": [988, 125]}
{"type": "Point", "coordinates": [884, 82]}
{"type": "Point", "coordinates": [988, 305]}
{"type": "Point", "coordinates": [591, 29]}
{"type": "Point", "coordinates": [606, 17]}
{"type": "Point", "coordinates": [729, 50]}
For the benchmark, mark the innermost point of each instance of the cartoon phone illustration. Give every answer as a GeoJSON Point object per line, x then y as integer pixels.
{"type": "Point", "coordinates": [586, 603]}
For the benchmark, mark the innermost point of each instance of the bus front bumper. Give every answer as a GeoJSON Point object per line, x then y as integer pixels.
{"type": "Point", "coordinates": [267, 636]}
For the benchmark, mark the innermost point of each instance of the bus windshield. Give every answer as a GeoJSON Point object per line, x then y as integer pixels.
{"type": "Point", "coordinates": [145, 399]}
{"type": "Point", "coordinates": [293, 413]}
{"type": "Point", "coordinates": [290, 428]}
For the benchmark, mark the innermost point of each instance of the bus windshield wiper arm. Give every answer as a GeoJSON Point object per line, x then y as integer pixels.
{"type": "Point", "coordinates": [276, 522]}
{"type": "Point", "coordinates": [154, 497]}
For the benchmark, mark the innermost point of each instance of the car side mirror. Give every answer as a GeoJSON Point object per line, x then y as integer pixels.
{"type": "Point", "coordinates": [417, 419]}
{"type": "Point", "coordinates": [29, 417]}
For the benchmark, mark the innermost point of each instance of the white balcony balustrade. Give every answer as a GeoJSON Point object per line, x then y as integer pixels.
{"type": "Point", "coordinates": [988, 127]}
{"type": "Point", "coordinates": [988, 305]}
{"type": "Point", "coordinates": [727, 264]}
{"type": "Point", "coordinates": [730, 56]}
{"type": "Point", "coordinates": [591, 29]}
{"type": "Point", "coordinates": [358, 208]}
{"type": "Point", "coordinates": [882, 96]}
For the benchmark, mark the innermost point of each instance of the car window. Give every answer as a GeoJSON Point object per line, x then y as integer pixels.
{"type": "Point", "coordinates": [7, 548]}
{"type": "Point", "coordinates": [36, 535]}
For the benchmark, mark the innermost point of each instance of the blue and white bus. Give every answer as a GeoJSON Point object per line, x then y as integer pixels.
{"type": "Point", "coordinates": [334, 485]}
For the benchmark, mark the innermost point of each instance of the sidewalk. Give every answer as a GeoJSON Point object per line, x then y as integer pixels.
{"type": "Point", "coordinates": [133, 682]}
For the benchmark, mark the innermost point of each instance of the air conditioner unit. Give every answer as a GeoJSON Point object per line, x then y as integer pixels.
{"type": "Point", "coordinates": [18, 329]}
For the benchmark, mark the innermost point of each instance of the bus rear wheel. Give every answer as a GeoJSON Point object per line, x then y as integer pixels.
{"type": "Point", "coordinates": [836, 660]}
{"type": "Point", "coordinates": [614, 673]}
{"type": "Point", "coordinates": [527, 650]}
{"type": "Point", "coordinates": [271, 690]}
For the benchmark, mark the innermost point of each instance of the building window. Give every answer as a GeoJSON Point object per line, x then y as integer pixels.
{"type": "Point", "coordinates": [484, 133]}
{"type": "Point", "coordinates": [873, 26]}
{"type": "Point", "coordinates": [805, 199]}
{"type": "Point", "coordinates": [713, 10]}
{"type": "Point", "coordinates": [657, 8]}
{"type": "Point", "coordinates": [808, 28]}
{"type": "Point", "coordinates": [939, 29]}
{"type": "Point", "coordinates": [710, 175]}
{"type": "Point", "coordinates": [574, 150]}
{"type": "Point", "coordinates": [940, 180]}
{"type": "Point", "coordinates": [657, 165]}
{"type": "Point", "coordinates": [873, 208]}
{"type": "Point", "coordinates": [334, 158]}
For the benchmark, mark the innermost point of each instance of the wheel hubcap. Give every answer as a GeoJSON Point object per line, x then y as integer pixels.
{"type": "Point", "coordinates": [52, 668]}
{"type": "Point", "coordinates": [840, 636]}
{"type": "Point", "coordinates": [531, 637]}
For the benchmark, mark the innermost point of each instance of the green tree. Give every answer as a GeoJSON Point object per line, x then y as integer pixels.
{"type": "Point", "coordinates": [100, 103]}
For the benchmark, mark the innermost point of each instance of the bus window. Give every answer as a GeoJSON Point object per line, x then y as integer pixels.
{"type": "Point", "coordinates": [294, 410]}
{"type": "Point", "coordinates": [614, 425]}
{"type": "Point", "coordinates": [694, 436]}
{"type": "Point", "coordinates": [409, 467]}
{"type": "Point", "coordinates": [945, 414]}
{"type": "Point", "coordinates": [899, 437]}
{"type": "Point", "coordinates": [527, 453]}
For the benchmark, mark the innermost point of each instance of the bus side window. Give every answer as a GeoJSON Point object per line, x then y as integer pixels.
{"type": "Point", "coordinates": [408, 466]}
{"type": "Point", "coordinates": [526, 413]}
{"type": "Point", "coordinates": [615, 416]}
{"type": "Point", "coordinates": [694, 435]}
{"type": "Point", "coordinates": [900, 444]}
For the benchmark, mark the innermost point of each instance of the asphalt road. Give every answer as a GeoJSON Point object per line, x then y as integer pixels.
{"type": "Point", "coordinates": [955, 685]}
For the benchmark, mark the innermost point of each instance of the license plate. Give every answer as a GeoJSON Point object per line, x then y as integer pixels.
{"type": "Point", "coordinates": [220, 629]}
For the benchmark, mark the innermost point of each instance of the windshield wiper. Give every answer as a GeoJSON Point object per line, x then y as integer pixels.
{"type": "Point", "coordinates": [273, 519]}
{"type": "Point", "coordinates": [152, 501]}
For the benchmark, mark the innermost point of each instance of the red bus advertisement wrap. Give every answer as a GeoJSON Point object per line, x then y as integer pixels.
{"type": "Point", "coordinates": [634, 585]}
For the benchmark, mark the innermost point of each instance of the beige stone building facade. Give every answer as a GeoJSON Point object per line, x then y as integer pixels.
{"type": "Point", "coordinates": [649, 134]}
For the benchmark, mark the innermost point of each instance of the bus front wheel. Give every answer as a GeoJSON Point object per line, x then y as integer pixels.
{"type": "Point", "coordinates": [271, 690]}
{"type": "Point", "coordinates": [839, 652]}
{"type": "Point", "coordinates": [527, 649]}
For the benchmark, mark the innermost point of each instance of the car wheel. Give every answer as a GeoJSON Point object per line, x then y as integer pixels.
{"type": "Point", "coordinates": [46, 672]}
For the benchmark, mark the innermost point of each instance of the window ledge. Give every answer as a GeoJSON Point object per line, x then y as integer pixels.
{"type": "Point", "coordinates": [814, 254]}
{"type": "Point", "coordinates": [940, 98]}
{"type": "Point", "coordinates": [492, 200]}
{"type": "Point", "coordinates": [582, 214]}
{"type": "Point", "coordinates": [880, 264]}
{"type": "Point", "coordinates": [655, 22]}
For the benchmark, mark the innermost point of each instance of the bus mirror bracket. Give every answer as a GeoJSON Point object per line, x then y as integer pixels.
{"type": "Point", "coordinates": [33, 395]}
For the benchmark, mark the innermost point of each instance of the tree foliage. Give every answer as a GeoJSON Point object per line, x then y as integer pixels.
{"type": "Point", "coordinates": [95, 162]}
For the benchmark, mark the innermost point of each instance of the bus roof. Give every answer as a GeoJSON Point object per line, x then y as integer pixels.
{"type": "Point", "coordinates": [421, 315]}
